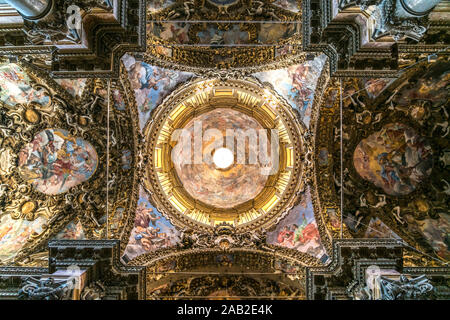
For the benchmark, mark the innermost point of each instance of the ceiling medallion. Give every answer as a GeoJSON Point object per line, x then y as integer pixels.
{"type": "Point", "coordinates": [224, 153]}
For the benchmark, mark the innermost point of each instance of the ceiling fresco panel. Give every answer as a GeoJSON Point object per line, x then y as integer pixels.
{"type": "Point", "coordinates": [74, 86]}
{"type": "Point", "coordinates": [395, 135]}
{"type": "Point", "coordinates": [156, 5]}
{"type": "Point", "coordinates": [14, 235]}
{"type": "Point", "coordinates": [291, 5]}
{"type": "Point", "coordinates": [73, 231]}
{"type": "Point", "coordinates": [219, 35]}
{"type": "Point", "coordinates": [378, 229]}
{"type": "Point", "coordinates": [375, 86]}
{"type": "Point", "coordinates": [55, 161]}
{"type": "Point", "coordinates": [225, 287]}
{"type": "Point", "coordinates": [241, 33]}
{"type": "Point", "coordinates": [395, 159]}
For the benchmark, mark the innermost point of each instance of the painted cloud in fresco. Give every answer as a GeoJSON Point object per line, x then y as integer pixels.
{"type": "Point", "coordinates": [55, 161]}
{"type": "Point", "coordinates": [75, 87]}
{"type": "Point", "coordinates": [233, 35]}
{"type": "Point", "coordinates": [151, 230]}
{"type": "Point", "coordinates": [290, 5]}
{"type": "Point", "coordinates": [379, 230]}
{"type": "Point", "coordinates": [73, 231]}
{"type": "Point", "coordinates": [437, 233]}
{"type": "Point", "coordinates": [14, 234]}
{"type": "Point", "coordinates": [15, 87]}
{"type": "Point", "coordinates": [297, 84]}
{"type": "Point", "coordinates": [238, 184]}
{"type": "Point", "coordinates": [298, 230]}
{"type": "Point", "coordinates": [151, 85]}
{"type": "Point", "coordinates": [156, 5]}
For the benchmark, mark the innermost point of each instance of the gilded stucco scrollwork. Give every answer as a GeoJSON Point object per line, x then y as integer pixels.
{"type": "Point", "coordinates": [181, 34]}
{"type": "Point", "coordinates": [394, 147]}
{"type": "Point", "coordinates": [53, 150]}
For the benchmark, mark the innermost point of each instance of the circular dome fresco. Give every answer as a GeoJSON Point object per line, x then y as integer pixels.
{"type": "Point", "coordinates": [224, 182]}
{"type": "Point", "coordinates": [224, 152]}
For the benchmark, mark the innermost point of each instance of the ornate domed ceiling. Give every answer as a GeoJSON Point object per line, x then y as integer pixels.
{"type": "Point", "coordinates": [203, 117]}
{"type": "Point", "coordinates": [221, 183]}
{"type": "Point", "coordinates": [245, 140]}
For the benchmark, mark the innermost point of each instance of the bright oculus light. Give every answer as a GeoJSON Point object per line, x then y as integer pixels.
{"type": "Point", "coordinates": [223, 158]}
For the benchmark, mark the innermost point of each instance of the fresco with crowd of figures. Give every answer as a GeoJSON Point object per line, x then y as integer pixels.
{"type": "Point", "coordinates": [297, 84]}
{"type": "Point", "coordinates": [150, 84]}
{"type": "Point", "coordinates": [16, 87]}
{"type": "Point", "coordinates": [395, 159]}
{"type": "Point", "coordinates": [55, 161]}
{"type": "Point", "coordinates": [152, 231]}
{"type": "Point", "coordinates": [396, 177]}
{"type": "Point", "coordinates": [298, 230]}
